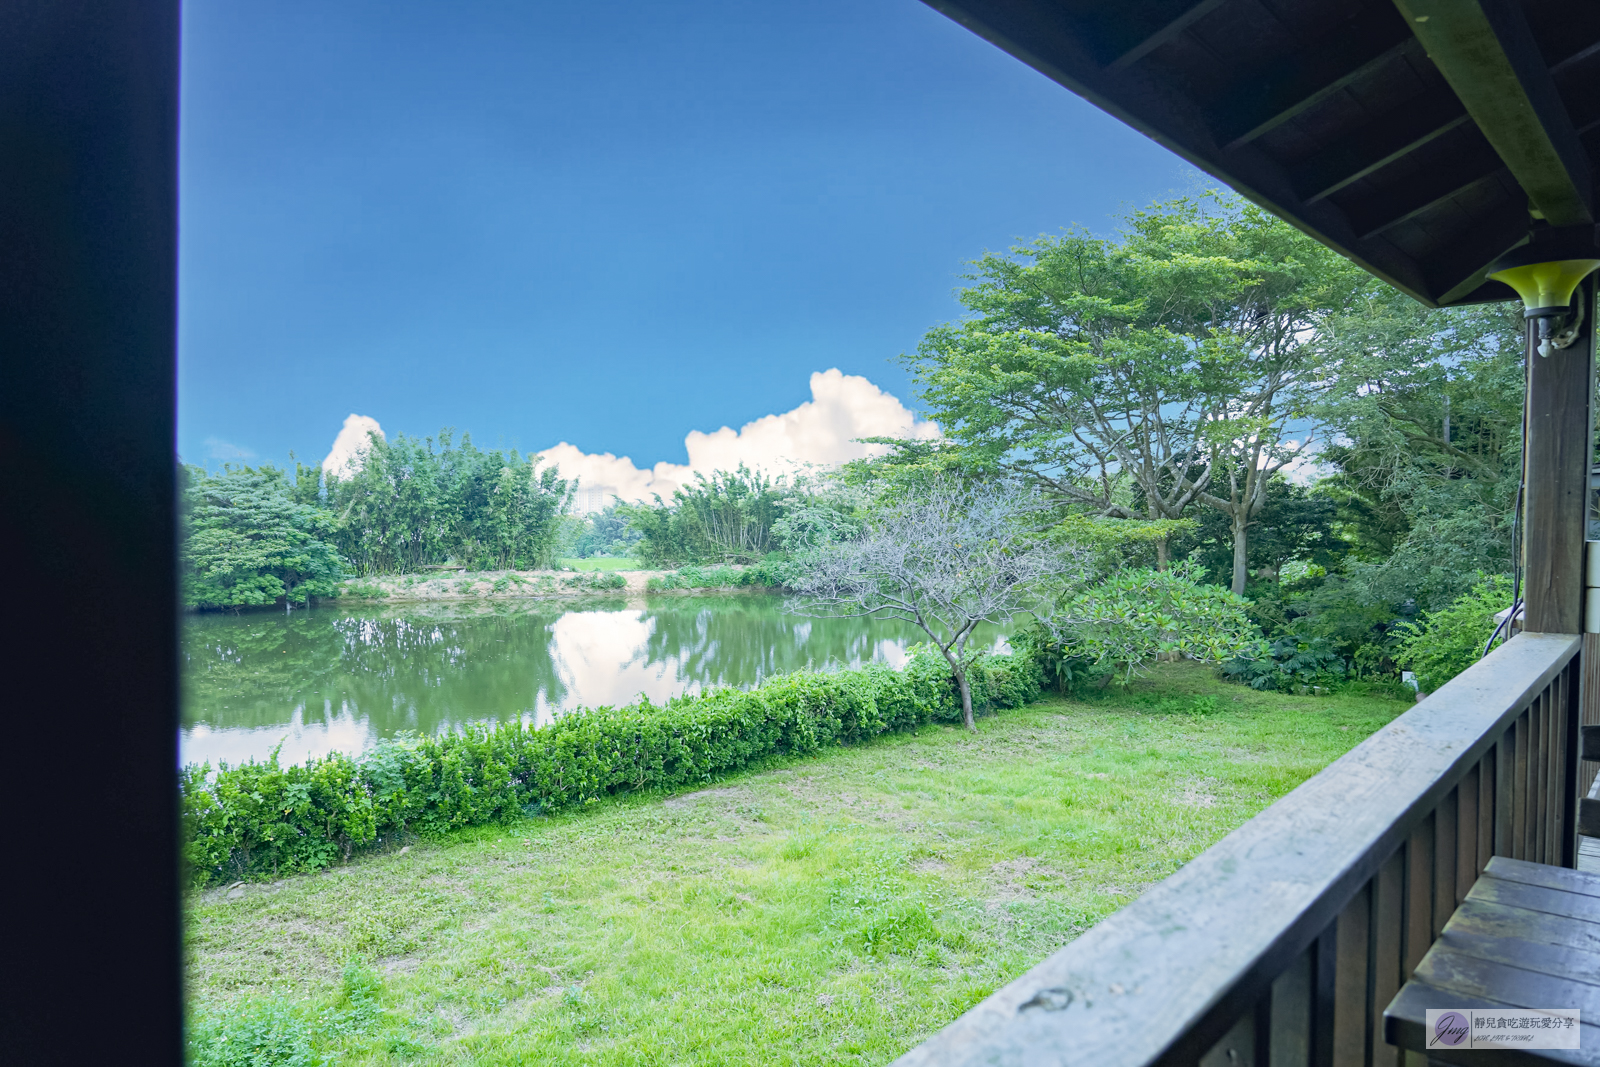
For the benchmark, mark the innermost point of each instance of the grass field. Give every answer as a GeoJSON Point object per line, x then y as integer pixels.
{"type": "Point", "coordinates": [598, 564]}
{"type": "Point", "coordinates": [826, 911]}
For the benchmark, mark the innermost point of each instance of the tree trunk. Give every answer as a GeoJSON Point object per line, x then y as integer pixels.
{"type": "Point", "coordinates": [966, 701]}
{"type": "Point", "coordinates": [1241, 535]}
{"type": "Point", "coordinates": [1161, 553]}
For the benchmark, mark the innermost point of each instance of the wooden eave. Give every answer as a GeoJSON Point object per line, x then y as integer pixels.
{"type": "Point", "coordinates": [1412, 136]}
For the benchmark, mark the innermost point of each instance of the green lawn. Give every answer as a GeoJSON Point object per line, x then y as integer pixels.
{"type": "Point", "coordinates": [832, 910]}
{"type": "Point", "coordinates": [599, 564]}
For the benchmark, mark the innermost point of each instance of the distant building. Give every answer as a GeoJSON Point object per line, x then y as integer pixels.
{"type": "Point", "coordinates": [589, 499]}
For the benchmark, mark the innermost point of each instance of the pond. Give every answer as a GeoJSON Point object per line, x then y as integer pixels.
{"type": "Point", "coordinates": [340, 678]}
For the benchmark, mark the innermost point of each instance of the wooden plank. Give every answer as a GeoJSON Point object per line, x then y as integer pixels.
{"type": "Point", "coordinates": [1324, 982]}
{"type": "Point", "coordinates": [1290, 1011]}
{"type": "Point", "coordinates": [1505, 761]}
{"type": "Point", "coordinates": [1418, 922]}
{"type": "Point", "coordinates": [1520, 833]}
{"type": "Point", "coordinates": [1350, 1000]}
{"type": "Point", "coordinates": [1388, 935]}
{"type": "Point", "coordinates": [1589, 817]}
{"type": "Point", "coordinates": [1570, 765]}
{"type": "Point", "coordinates": [1403, 1025]}
{"type": "Point", "coordinates": [1237, 1047]}
{"type": "Point", "coordinates": [1546, 875]}
{"type": "Point", "coordinates": [1488, 809]}
{"type": "Point", "coordinates": [1517, 986]}
{"type": "Point", "coordinates": [1589, 661]}
{"type": "Point", "coordinates": [1561, 776]}
{"type": "Point", "coordinates": [1467, 833]}
{"type": "Point", "coordinates": [1534, 898]}
{"type": "Point", "coordinates": [1590, 732]}
{"type": "Point", "coordinates": [1589, 855]}
{"type": "Point", "coordinates": [1539, 774]}
{"type": "Point", "coordinates": [1231, 920]}
{"type": "Point", "coordinates": [1504, 920]}
{"type": "Point", "coordinates": [1445, 863]}
{"type": "Point", "coordinates": [1571, 964]}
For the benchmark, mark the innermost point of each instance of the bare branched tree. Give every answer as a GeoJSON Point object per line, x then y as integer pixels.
{"type": "Point", "coordinates": [944, 558]}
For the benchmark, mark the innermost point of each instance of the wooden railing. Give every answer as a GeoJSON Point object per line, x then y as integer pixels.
{"type": "Point", "coordinates": [1282, 944]}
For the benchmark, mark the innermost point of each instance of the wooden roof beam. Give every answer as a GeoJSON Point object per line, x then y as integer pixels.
{"type": "Point", "coordinates": [1456, 272]}
{"type": "Point", "coordinates": [1392, 205]}
{"type": "Point", "coordinates": [1377, 144]}
{"type": "Point", "coordinates": [1163, 23]}
{"type": "Point", "coordinates": [1272, 95]}
{"type": "Point", "coordinates": [1487, 53]}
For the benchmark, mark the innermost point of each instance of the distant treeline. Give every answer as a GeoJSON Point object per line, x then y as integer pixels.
{"type": "Point", "coordinates": [254, 536]}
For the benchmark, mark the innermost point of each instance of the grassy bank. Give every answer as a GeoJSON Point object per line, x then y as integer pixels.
{"type": "Point", "coordinates": [491, 585]}
{"type": "Point", "coordinates": [830, 910]}
{"type": "Point", "coordinates": [602, 563]}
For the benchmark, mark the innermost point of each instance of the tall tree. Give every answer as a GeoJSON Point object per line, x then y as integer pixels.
{"type": "Point", "coordinates": [247, 541]}
{"type": "Point", "coordinates": [1135, 377]}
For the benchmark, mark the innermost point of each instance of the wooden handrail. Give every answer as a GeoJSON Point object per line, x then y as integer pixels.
{"type": "Point", "coordinates": [1276, 945]}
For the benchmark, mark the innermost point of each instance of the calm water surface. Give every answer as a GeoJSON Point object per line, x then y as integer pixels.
{"type": "Point", "coordinates": [340, 678]}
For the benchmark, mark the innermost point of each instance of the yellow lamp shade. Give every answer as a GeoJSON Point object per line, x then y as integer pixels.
{"type": "Point", "coordinates": [1546, 286]}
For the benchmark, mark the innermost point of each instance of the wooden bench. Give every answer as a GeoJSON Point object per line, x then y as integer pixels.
{"type": "Point", "coordinates": [1526, 936]}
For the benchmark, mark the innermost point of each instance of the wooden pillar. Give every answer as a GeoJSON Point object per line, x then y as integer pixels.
{"type": "Point", "coordinates": [1557, 457]}
{"type": "Point", "coordinates": [90, 968]}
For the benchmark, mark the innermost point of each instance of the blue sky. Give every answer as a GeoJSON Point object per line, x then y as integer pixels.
{"type": "Point", "coordinates": [606, 223]}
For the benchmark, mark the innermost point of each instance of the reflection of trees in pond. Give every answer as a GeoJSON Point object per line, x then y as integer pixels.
{"type": "Point", "coordinates": [415, 668]}
{"type": "Point", "coordinates": [380, 669]}
{"type": "Point", "coordinates": [738, 640]}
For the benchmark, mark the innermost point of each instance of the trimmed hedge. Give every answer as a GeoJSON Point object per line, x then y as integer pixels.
{"type": "Point", "coordinates": [260, 818]}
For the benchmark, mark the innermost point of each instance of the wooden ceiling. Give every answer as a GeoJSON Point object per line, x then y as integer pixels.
{"type": "Point", "coordinates": [1420, 138]}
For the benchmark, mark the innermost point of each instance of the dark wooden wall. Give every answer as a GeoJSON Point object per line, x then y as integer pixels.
{"type": "Point", "coordinates": [88, 225]}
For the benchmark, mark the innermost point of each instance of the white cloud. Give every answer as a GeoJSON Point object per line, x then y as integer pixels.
{"type": "Point", "coordinates": [226, 451]}
{"type": "Point", "coordinates": [820, 431]}
{"type": "Point", "coordinates": [351, 444]}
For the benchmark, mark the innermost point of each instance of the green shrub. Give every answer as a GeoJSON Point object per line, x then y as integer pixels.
{"type": "Point", "coordinates": [1288, 664]}
{"type": "Point", "coordinates": [1136, 616]}
{"type": "Point", "coordinates": [263, 818]}
{"type": "Point", "coordinates": [1445, 643]}
{"type": "Point", "coordinates": [766, 574]}
{"type": "Point", "coordinates": [596, 580]}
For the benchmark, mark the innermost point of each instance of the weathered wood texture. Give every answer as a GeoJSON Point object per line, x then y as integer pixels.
{"type": "Point", "coordinates": [1557, 458]}
{"type": "Point", "coordinates": [1591, 705]}
{"type": "Point", "coordinates": [1284, 942]}
{"type": "Point", "coordinates": [1525, 937]}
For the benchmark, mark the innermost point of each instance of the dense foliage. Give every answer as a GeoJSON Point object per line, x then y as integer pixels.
{"type": "Point", "coordinates": [1444, 643]}
{"type": "Point", "coordinates": [247, 541]}
{"type": "Point", "coordinates": [606, 533]}
{"type": "Point", "coordinates": [414, 502]}
{"type": "Point", "coordinates": [1146, 374]}
{"type": "Point", "coordinates": [1135, 617]}
{"type": "Point", "coordinates": [726, 518]}
{"type": "Point", "coordinates": [262, 818]}
{"type": "Point", "coordinates": [1175, 375]}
